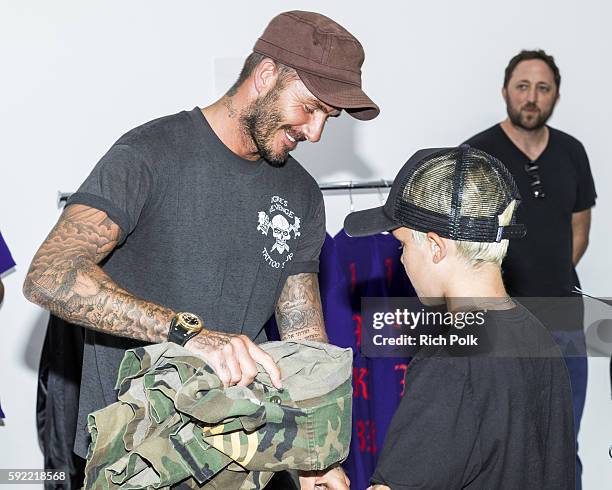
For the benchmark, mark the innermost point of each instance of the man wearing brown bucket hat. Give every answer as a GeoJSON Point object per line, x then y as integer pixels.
{"type": "Point", "coordinates": [206, 212]}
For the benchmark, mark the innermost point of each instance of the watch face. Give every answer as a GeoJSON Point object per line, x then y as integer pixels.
{"type": "Point", "coordinates": [190, 322]}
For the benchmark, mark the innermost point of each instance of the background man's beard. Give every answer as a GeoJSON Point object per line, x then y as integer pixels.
{"type": "Point", "coordinates": [537, 121]}
{"type": "Point", "coordinates": [261, 120]}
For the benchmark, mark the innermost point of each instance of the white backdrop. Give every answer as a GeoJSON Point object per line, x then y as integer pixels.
{"type": "Point", "coordinates": [76, 75]}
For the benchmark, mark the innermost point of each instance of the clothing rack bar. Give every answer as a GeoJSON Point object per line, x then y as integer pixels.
{"type": "Point", "coordinates": [62, 197]}
{"type": "Point", "coordinates": [355, 184]}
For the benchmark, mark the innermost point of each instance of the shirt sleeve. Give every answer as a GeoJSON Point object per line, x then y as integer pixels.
{"type": "Point", "coordinates": [309, 248]}
{"type": "Point", "coordinates": [432, 440]}
{"type": "Point", "coordinates": [119, 185]}
{"type": "Point", "coordinates": [6, 260]}
{"type": "Point", "coordinates": [585, 186]}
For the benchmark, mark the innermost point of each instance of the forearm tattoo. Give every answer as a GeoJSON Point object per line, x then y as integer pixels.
{"type": "Point", "coordinates": [65, 279]}
{"type": "Point", "coordinates": [299, 313]}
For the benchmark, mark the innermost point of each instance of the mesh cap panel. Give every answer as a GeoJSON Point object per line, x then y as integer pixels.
{"type": "Point", "coordinates": [458, 193]}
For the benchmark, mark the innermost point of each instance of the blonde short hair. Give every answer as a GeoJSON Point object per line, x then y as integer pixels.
{"type": "Point", "coordinates": [478, 253]}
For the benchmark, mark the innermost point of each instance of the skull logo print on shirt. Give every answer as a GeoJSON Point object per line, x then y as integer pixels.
{"type": "Point", "coordinates": [285, 226]}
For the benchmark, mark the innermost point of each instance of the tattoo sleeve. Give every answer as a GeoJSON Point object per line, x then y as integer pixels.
{"type": "Point", "coordinates": [65, 279]}
{"type": "Point", "coordinates": [298, 311]}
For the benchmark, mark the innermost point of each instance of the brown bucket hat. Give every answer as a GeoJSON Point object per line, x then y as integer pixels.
{"type": "Point", "coordinates": [326, 57]}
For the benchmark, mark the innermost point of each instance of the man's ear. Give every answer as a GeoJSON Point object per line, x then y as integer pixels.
{"type": "Point", "coordinates": [504, 93]}
{"type": "Point", "coordinates": [437, 247]}
{"type": "Point", "coordinates": [265, 75]}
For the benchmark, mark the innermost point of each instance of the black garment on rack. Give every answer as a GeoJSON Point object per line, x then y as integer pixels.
{"type": "Point", "coordinates": [57, 404]}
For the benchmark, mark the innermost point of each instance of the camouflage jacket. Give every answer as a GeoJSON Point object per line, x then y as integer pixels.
{"type": "Point", "coordinates": [176, 423]}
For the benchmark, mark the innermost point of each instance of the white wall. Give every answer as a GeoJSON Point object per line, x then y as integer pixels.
{"type": "Point", "coordinates": [75, 75]}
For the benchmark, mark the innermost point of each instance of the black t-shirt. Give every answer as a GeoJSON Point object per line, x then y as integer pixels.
{"type": "Point", "coordinates": [202, 230]}
{"type": "Point", "coordinates": [499, 419]}
{"type": "Point", "coordinates": [540, 264]}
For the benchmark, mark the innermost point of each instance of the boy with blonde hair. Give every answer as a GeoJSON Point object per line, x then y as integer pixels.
{"type": "Point", "coordinates": [500, 416]}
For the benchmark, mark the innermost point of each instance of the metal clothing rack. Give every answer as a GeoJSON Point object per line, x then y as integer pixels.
{"type": "Point", "coordinates": [349, 185]}
{"type": "Point", "coordinates": [355, 184]}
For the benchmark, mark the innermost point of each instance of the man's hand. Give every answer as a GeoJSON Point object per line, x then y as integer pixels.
{"type": "Point", "coordinates": [333, 479]}
{"type": "Point", "coordinates": [379, 487]}
{"type": "Point", "coordinates": [234, 357]}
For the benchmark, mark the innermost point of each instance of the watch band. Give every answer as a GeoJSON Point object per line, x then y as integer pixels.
{"type": "Point", "coordinates": [180, 334]}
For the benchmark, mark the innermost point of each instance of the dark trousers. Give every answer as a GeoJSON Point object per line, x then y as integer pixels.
{"type": "Point", "coordinates": [573, 347]}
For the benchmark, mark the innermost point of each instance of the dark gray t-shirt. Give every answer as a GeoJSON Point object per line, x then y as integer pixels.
{"type": "Point", "coordinates": [202, 230]}
{"type": "Point", "coordinates": [499, 418]}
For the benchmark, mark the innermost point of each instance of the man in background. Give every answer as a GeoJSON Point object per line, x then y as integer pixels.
{"type": "Point", "coordinates": [551, 169]}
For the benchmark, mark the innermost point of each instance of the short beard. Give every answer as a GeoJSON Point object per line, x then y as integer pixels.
{"type": "Point", "coordinates": [516, 117]}
{"type": "Point", "coordinates": [261, 120]}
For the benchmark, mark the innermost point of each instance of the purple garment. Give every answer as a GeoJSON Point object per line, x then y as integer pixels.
{"type": "Point", "coordinates": [364, 277]}
{"type": "Point", "coordinates": [387, 278]}
{"type": "Point", "coordinates": [396, 281]}
{"type": "Point", "coordinates": [6, 261]}
{"type": "Point", "coordinates": [335, 299]}
{"type": "Point", "coordinates": [388, 373]}
{"type": "Point", "coordinates": [372, 268]}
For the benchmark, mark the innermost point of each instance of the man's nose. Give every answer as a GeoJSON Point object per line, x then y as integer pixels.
{"type": "Point", "coordinates": [532, 95]}
{"type": "Point", "coordinates": [314, 129]}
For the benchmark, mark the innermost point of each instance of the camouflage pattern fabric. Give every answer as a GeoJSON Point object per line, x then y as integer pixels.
{"type": "Point", "coordinates": [176, 423]}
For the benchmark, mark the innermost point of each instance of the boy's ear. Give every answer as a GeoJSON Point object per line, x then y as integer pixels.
{"type": "Point", "coordinates": [437, 247]}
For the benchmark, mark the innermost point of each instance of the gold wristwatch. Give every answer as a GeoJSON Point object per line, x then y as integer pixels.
{"type": "Point", "coordinates": [183, 327]}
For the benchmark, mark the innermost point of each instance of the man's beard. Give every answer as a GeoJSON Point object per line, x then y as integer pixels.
{"type": "Point", "coordinates": [537, 120]}
{"type": "Point", "coordinates": [261, 120]}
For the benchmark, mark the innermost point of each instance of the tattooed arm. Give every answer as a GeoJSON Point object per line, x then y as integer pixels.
{"type": "Point", "coordinates": [65, 279]}
{"type": "Point", "coordinates": [299, 313]}
{"type": "Point", "coordinates": [299, 316]}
